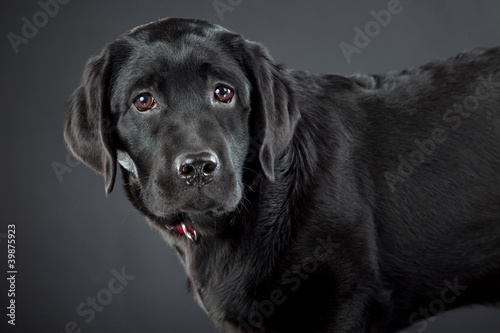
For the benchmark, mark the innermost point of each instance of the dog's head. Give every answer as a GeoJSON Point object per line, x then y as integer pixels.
{"type": "Point", "coordinates": [180, 105]}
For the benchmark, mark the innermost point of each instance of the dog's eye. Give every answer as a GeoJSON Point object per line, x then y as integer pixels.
{"type": "Point", "coordinates": [223, 94]}
{"type": "Point", "coordinates": [144, 102]}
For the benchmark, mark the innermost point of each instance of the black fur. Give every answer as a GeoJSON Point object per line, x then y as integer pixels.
{"type": "Point", "coordinates": [340, 204]}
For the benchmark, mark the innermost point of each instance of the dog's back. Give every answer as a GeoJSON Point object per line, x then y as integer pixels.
{"type": "Point", "coordinates": [433, 149]}
{"type": "Point", "coordinates": [423, 146]}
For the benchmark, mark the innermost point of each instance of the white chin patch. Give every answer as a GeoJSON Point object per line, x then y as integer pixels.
{"type": "Point", "coordinates": [126, 161]}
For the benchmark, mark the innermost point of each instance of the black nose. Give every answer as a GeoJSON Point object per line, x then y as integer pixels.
{"type": "Point", "coordinates": [197, 168]}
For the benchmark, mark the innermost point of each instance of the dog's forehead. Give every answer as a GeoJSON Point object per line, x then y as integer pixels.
{"type": "Point", "coordinates": [178, 48]}
{"type": "Point", "coordinates": [171, 43]}
{"type": "Point", "coordinates": [172, 29]}
{"type": "Point", "coordinates": [176, 53]}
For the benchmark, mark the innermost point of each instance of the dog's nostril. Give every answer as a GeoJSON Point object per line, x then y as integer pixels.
{"type": "Point", "coordinates": [187, 170]}
{"type": "Point", "coordinates": [209, 167]}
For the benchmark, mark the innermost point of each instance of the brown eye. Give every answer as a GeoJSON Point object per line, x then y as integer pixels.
{"type": "Point", "coordinates": [223, 94]}
{"type": "Point", "coordinates": [144, 102]}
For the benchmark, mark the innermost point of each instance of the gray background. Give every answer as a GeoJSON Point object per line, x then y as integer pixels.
{"type": "Point", "coordinates": [70, 236]}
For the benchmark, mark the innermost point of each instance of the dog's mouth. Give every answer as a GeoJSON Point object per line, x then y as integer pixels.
{"type": "Point", "coordinates": [198, 216]}
{"type": "Point", "coordinates": [202, 206]}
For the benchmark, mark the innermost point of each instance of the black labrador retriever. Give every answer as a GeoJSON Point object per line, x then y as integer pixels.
{"type": "Point", "coordinates": [301, 202]}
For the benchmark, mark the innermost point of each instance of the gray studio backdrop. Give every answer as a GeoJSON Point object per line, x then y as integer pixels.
{"type": "Point", "coordinates": [89, 263]}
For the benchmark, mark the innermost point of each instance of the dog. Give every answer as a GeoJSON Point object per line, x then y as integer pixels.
{"type": "Point", "coordinates": [300, 202]}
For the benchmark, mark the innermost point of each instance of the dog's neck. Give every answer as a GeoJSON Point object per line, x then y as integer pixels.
{"type": "Point", "coordinates": [250, 237]}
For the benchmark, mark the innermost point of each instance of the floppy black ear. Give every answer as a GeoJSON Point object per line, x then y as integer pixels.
{"type": "Point", "coordinates": [273, 102]}
{"type": "Point", "coordinates": [89, 125]}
